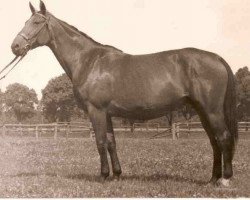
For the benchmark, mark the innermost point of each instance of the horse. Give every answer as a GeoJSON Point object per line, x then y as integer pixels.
{"type": "Point", "coordinates": [110, 83]}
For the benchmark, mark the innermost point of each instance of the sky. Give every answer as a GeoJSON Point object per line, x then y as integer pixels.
{"type": "Point", "coordinates": [134, 26]}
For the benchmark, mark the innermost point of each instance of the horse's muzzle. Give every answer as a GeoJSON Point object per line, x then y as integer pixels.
{"type": "Point", "coordinates": [20, 47]}
{"type": "Point", "coordinates": [20, 51]}
{"type": "Point", "coordinates": [15, 48]}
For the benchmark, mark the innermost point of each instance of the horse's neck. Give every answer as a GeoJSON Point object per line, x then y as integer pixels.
{"type": "Point", "coordinates": [69, 46]}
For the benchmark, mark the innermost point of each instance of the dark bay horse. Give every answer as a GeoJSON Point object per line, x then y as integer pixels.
{"type": "Point", "coordinates": [108, 82]}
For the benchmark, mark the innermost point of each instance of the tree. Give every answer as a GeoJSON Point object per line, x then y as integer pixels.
{"type": "Point", "coordinates": [20, 100]}
{"type": "Point", "coordinates": [1, 102]}
{"type": "Point", "coordinates": [243, 92]}
{"type": "Point", "coordinates": [58, 102]}
{"type": "Point", "coordinates": [2, 107]}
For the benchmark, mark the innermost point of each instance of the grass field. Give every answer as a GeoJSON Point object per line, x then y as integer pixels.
{"type": "Point", "coordinates": [151, 168]}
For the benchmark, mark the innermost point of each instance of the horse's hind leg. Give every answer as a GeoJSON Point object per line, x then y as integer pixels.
{"type": "Point", "coordinates": [217, 162]}
{"type": "Point", "coordinates": [112, 149]}
{"type": "Point", "coordinates": [221, 142]}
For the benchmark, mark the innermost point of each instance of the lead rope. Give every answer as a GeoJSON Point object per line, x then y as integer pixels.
{"type": "Point", "coordinates": [9, 64]}
{"type": "Point", "coordinates": [12, 67]}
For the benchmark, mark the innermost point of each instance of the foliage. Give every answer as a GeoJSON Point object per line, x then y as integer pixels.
{"type": "Point", "coordinates": [58, 102]}
{"type": "Point", "coordinates": [243, 92]}
{"type": "Point", "coordinates": [20, 100]}
{"type": "Point", "coordinates": [1, 102]}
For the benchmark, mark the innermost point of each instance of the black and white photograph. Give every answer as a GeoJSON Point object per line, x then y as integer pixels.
{"type": "Point", "coordinates": [125, 99]}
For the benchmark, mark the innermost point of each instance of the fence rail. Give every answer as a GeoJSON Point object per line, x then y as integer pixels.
{"type": "Point", "coordinates": [56, 129]}
{"type": "Point", "coordinates": [52, 129]}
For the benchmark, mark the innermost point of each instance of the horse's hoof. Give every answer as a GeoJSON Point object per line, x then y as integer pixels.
{"type": "Point", "coordinates": [116, 177]}
{"type": "Point", "coordinates": [213, 182]}
{"type": "Point", "coordinates": [103, 178]}
{"type": "Point", "coordinates": [224, 182]}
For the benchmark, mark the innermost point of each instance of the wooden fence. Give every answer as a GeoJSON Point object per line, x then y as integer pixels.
{"type": "Point", "coordinates": [67, 129]}
{"type": "Point", "coordinates": [38, 130]}
{"type": "Point", "coordinates": [196, 127]}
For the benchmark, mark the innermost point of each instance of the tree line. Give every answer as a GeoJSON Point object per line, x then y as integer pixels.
{"type": "Point", "coordinates": [20, 103]}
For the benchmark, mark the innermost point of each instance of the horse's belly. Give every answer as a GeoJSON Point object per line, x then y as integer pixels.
{"type": "Point", "coordinates": [143, 111]}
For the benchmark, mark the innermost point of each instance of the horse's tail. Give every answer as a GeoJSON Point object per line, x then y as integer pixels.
{"type": "Point", "coordinates": [230, 107]}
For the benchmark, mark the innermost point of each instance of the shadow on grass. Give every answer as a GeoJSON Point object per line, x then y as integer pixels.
{"type": "Point", "coordinates": [26, 174]}
{"type": "Point", "coordinates": [149, 178]}
{"type": "Point", "coordinates": [87, 177]}
{"type": "Point", "coordinates": [157, 177]}
{"type": "Point", "coordinates": [96, 178]}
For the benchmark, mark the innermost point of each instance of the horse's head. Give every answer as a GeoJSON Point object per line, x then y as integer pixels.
{"type": "Point", "coordinates": [35, 32]}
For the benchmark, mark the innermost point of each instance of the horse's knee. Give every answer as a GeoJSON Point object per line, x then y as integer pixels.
{"type": "Point", "coordinates": [110, 137]}
{"type": "Point", "coordinates": [111, 141]}
{"type": "Point", "coordinates": [101, 146]}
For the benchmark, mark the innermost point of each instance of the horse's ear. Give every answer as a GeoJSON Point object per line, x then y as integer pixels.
{"type": "Point", "coordinates": [33, 10]}
{"type": "Point", "coordinates": [42, 7]}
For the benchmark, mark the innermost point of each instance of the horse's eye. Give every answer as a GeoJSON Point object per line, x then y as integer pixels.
{"type": "Point", "coordinates": [36, 23]}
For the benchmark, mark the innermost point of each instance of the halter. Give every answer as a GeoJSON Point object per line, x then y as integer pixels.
{"type": "Point", "coordinates": [33, 38]}
{"type": "Point", "coordinates": [30, 42]}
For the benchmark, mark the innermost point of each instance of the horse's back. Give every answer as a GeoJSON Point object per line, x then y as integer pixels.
{"type": "Point", "coordinates": [176, 71]}
{"type": "Point", "coordinates": [171, 62]}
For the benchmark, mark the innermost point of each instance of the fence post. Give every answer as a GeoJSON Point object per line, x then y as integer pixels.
{"type": "Point", "coordinates": [55, 135]}
{"type": "Point", "coordinates": [177, 130]}
{"type": "Point", "coordinates": [173, 131]}
{"type": "Point", "coordinates": [132, 128]}
{"type": "Point", "coordinates": [189, 128]}
{"type": "Point", "coordinates": [91, 131]}
{"type": "Point", "coordinates": [20, 129]}
{"type": "Point", "coordinates": [37, 132]}
{"type": "Point", "coordinates": [67, 131]}
{"type": "Point", "coordinates": [3, 130]}
{"type": "Point", "coordinates": [92, 134]}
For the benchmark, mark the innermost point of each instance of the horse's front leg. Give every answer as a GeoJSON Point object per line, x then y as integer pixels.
{"type": "Point", "coordinates": [112, 149]}
{"type": "Point", "coordinates": [99, 123]}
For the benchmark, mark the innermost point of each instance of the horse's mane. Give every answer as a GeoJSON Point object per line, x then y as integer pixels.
{"type": "Point", "coordinates": [86, 36]}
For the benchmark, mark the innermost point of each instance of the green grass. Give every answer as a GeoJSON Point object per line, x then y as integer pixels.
{"type": "Point", "coordinates": [151, 168]}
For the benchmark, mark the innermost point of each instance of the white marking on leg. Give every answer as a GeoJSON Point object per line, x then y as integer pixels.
{"type": "Point", "coordinates": [225, 182]}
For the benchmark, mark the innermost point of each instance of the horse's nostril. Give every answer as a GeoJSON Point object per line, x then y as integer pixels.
{"type": "Point", "coordinates": [27, 46]}
{"type": "Point", "coordinates": [15, 46]}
